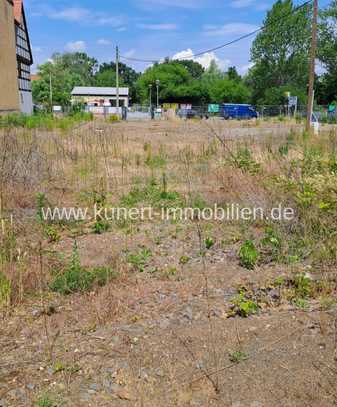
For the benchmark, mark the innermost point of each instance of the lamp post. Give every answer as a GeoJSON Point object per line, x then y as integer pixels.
{"type": "Point", "coordinates": [157, 84]}
{"type": "Point", "coordinates": [150, 95]}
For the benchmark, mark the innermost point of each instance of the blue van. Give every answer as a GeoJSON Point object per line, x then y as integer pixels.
{"type": "Point", "coordinates": [237, 111]}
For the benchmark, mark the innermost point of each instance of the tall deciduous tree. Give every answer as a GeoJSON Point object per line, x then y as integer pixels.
{"type": "Point", "coordinates": [327, 51]}
{"type": "Point", "coordinates": [66, 71]}
{"type": "Point", "coordinates": [280, 53]}
{"type": "Point", "coordinates": [106, 76]}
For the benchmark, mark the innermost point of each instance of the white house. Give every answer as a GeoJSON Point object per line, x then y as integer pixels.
{"type": "Point", "coordinates": [100, 96]}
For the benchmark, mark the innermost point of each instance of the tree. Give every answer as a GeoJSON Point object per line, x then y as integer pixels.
{"type": "Point", "coordinates": [225, 87]}
{"type": "Point", "coordinates": [326, 90]}
{"type": "Point", "coordinates": [229, 91]}
{"type": "Point", "coordinates": [66, 71]}
{"type": "Point", "coordinates": [106, 76]}
{"type": "Point", "coordinates": [233, 75]}
{"type": "Point", "coordinates": [194, 68]}
{"type": "Point", "coordinates": [176, 83]}
{"type": "Point", "coordinates": [280, 53]}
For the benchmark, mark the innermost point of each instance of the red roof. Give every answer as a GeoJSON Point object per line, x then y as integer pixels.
{"type": "Point", "coordinates": [18, 10]}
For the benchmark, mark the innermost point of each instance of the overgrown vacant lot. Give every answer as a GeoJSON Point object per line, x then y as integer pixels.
{"type": "Point", "coordinates": [168, 312]}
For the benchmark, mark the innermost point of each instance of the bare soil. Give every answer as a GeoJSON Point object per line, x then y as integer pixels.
{"type": "Point", "coordinates": [165, 336]}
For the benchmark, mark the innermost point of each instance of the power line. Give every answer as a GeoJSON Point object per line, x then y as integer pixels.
{"type": "Point", "coordinates": [222, 45]}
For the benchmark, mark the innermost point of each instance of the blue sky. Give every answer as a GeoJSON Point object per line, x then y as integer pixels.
{"type": "Point", "coordinates": [147, 29]}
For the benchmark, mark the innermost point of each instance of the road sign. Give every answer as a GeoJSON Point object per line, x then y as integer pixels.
{"type": "Point", "coordinates": [292, 101]}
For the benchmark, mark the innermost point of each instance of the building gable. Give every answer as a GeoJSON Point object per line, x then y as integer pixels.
{"type": "Point", "coordinates": [23, 47]}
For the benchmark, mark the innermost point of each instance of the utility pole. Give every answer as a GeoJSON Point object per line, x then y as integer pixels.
{"type": "Point", "coordinates": [50, 92]}
{"type": "Point", "coordinates": [117, 79]}
{"type": "Point", "coordinates": [312, 66]}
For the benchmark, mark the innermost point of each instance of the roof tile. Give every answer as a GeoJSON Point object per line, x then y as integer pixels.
{"type": "Point", "coordinates": [18, 10]}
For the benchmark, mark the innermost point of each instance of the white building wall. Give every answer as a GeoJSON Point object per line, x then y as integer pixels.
{"type": "Point", "coordinates": [26, 102]}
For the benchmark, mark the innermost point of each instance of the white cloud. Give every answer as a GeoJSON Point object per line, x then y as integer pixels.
{"type": "Point", "coordinates": [70, 14]}
{"type": "Point", "coordinates": [82, 15]}
{"type": "Point", "coordinates": [188, 4]}
{"type": "Point", "coordinates": [204, 60]}
{"type": "Point", "coordinates": [158, 27]}
{"type": "Point", "coordinates": [76, 46]}
{"type": "Point", "coordinates": [36, 49]}
{"type": "Point", "coordinates": [242, 3]}
{"type": "Point", "coordinates": [257, 5]}
{"type": "Point", "coordinates": [130, 53]}
{"type": "Point", "coordinates": [230, 28]}
{"type": "Point", "coordinates": [103, 41]}
{"type": "Point", "coordinates": [111, 21]}
{"type": "Point", "coordinates": [245, 68]}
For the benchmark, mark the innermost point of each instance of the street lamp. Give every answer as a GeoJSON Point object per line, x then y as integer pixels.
{"type": "Point", "coordinates": [150, 95]}
{"type": "Point", "coordinates": [157, 84]}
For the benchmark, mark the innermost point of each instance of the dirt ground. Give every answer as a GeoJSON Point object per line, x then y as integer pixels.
{"type": "Point", "coordinates": [164, 335]}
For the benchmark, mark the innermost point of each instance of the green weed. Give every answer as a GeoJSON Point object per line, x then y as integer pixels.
{"type": "Point", "coordinates": [237, 356]}
{"type": "Point", "coordinates": [45, 401]}
{"type": "Point", "coordinates": [209, 243]}
{"type": "Point", "coordinates": [184, 260]}
{"type": "Point", "coordinates": [100, 227]}
{"type": "Point", "coordinates": [244, 306]}
{"type": "Point", "coordinates": [5, 290]}
{"type": "Point", "coordinates": [243, 159]}
{"type": "Point", "coordinates": [139, 260]}
{"type": "Point", "coordinates": [248, 254]}
{"type": "Point", "coordinates": [77, 278]}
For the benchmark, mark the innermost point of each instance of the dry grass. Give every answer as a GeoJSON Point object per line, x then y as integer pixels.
{"type": "Point", "coordinates": [166, 312]}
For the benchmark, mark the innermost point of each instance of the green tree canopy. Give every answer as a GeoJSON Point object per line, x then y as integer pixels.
{"type": "Point", "coordinates": [175, 82]}
{"type": "Point", "coordinates": [194, 68]}
{"type": "Point", "coordinates": [106, 76]}
{"type": "Point", "coordinates": [327, 51]}
{"type": "Point", "coordinates": [66, 71]}
{"type": "Point", "coordinates": [280, 52]}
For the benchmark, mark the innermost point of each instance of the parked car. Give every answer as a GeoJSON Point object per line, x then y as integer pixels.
{"type": "Point", "coordinates": [237, 111]}
{"type": "Point", "coordinates": [190, 114]}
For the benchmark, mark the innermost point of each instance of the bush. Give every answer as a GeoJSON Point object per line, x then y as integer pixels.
{"type": "Point", "coordinates": [113, 118]}
{"type": "Point", "coordinates": [44, 120]}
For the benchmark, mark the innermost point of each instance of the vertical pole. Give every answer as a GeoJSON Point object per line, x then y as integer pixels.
{"type": "Point", "coordinates": [50, 92]}
{"type": "Point", "coordinates": [157, 95]}
{"type": "Point", "coordinates": [117, 79]}
{"type": "Point", "coordinates": [157, 84]}
{"type": "Point", "coordinates": [150, 95]}
{"type": "Point", "coordinates": [312, 66]}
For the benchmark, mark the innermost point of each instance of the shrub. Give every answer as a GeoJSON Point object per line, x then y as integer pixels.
{"type": "Point", "coordinates": [44, 120]}
{"type": "Point", "coordinates": [113, 118]}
